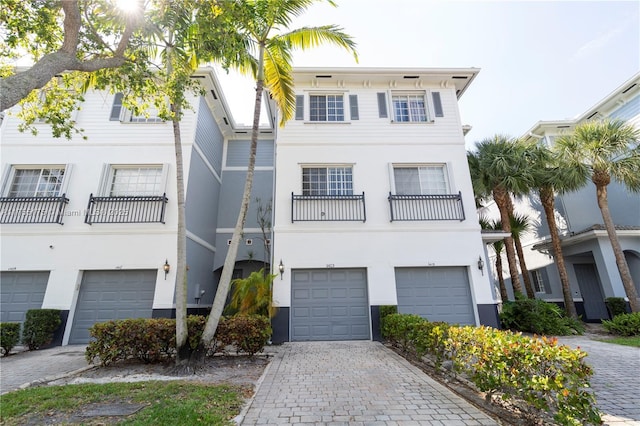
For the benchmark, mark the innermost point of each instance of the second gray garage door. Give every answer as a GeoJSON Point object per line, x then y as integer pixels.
{"type": "Point", "coordinates": [109, 295]}
{"type": "Point", "coordinates": [329, 304]}
{"type": "Point", "coordinates": [437, 294]}
{"type": "Point", "coordinates": [19, 292]}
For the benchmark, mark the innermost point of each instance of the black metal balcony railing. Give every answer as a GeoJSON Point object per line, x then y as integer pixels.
{"type": "Point", "coordinates": [126, 209]}
{"type": "Point", "coordinates": [331, 208]}
{"type": "Point", "coordinates": [32, 209]}
{"type": "Point", "coordinates": [426, 207]}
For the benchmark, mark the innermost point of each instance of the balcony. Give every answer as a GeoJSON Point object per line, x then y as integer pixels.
{"type": "Point", "coordinates": [32, 209]}
{"type": "Point", "coordinates": [426, 207]}
{"type": "Point", "coordinates": [328, 208]}
{"type": "Point", "coordinates": [126, 209]}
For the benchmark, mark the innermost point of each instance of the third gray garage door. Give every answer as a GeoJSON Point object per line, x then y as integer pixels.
{"type": "Point", "coordinates": [437, 294]}
{"type": "Point", "coordinates": [329, 304]}
{"type": "Point", "coordinates": [109, 295]}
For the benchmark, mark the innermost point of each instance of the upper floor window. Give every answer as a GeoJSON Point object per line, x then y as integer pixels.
{"type": "Point", "coordinates": [326, 108]}
{"type": "Point", "coordinates": [136, 181]}
{"type": "Point", "coordinates": [409, 107]}
{"type": "Point", "coordinates": [120, 113]}
{"type": "Point", "coordinates": [327, 181]}
{"type": "Point", "coordinates": [421, 180]}
{"type": "Point", "coordinates": [36, 182]}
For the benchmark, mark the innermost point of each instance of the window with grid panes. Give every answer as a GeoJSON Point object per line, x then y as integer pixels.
{"type": "Point", "coordinates": [36, 182]}
{"type": "Point", "coordinates": [538, 281]}
{"type": "Point", "coordinates": [409, 107]}
{"type": "Point", "coordinates": [327, 181]}
{"type": "Point", "coordinates": [136, 181]}
{"type": "Point", "coordinates": [423, 180]}
{"type": "Point", "coordinates": [326, 108]}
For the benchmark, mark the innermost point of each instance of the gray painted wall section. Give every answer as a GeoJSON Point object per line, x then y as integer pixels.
{"type": "Point", "coordinates": [238, 153]}
{"type": "Point", "coordinates": [231, 196]}
{"type": "Point", "coordinates": [208, 137]}
{"type": "Point", "coordinates": [200, 273]}
{"type": "Point", "coordinates": [628, 110]}
{"type": "Point", "coordinates": [254, 252]}
{"type": "Point", "coordinates": [203, 192]}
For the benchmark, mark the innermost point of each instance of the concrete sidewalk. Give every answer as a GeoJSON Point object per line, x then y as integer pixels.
{"type": "Point", "coordinates": [354, 383]}
{"type": "Point", "coordinates": [24, 367]}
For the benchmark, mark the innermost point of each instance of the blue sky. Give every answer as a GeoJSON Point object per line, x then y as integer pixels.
{"type": "Point", "coordinates": [539, 60]}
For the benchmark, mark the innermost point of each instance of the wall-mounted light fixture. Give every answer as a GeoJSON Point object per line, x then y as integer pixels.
{"type": "Point", "coordinates": [281, 268]}
{"type": "Point", "coordinates": [199, 296]}
{"type": "Point", "coordinates": [481, 264]}
{"type": "Point", "coordinates": [166, 267]}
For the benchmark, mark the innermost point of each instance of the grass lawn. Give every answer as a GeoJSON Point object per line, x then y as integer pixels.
{"type": "Point", "coordinates": [166, 403]}
{"type": "Point", "coordinates": [627, 341]}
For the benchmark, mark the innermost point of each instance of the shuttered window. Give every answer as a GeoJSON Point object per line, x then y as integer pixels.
{"type": "Point", "coordinates": [437, 104]}
{"type": "Point", "coordinates": [299, 107]}
{"type": "Point", "coordinates": [116, 108]}
{"type": "Point", "coordinates": [353, 106]}
{"type": "Point", "coordinates": [382, 105]}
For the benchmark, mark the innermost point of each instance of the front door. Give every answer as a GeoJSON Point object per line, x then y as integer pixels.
{"type": "Point", "coordinates": [592, 296]}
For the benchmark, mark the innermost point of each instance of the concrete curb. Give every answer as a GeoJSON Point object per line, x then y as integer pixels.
{"type": "Point", "coordinates": [55, 377]}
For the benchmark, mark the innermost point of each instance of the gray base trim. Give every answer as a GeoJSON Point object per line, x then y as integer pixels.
{"type": "Point", "coordinates": [163, 313]}
{"type": "Point", "coordinates": [376, 333]}
{"type": "Point", "coordinates": [280, 326]}
{"type": "Point", "coordinates": [488, 315]}
{"type": "Point", "coordinates": [59, 333]}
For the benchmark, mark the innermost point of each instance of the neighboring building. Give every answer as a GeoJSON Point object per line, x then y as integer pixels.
{"type": "Point", "coordinates": [88, 225]}
{"type": "Point", "coordinates": [374, 204]}
{"type": "Point", "coordinates": [587, 250]}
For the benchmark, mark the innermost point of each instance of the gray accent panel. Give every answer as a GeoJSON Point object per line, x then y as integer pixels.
{"type": "Point", "coordinates": [437, 294]}
{"type": "Point", "coordinates": [253, 253]}
{"type": "Point", "coordinates": [231, 196]}
{"type": "Point", "coordinates": [238, 153]}
{"type": "Point", "coordinates": [200, 273]}
{"type": "Point", "coordinates": [375, 323]}
{"type": "Point", "coordinates": [591, 290]}
{"type": "Point", "coordinates": [299, 107]}
{"type": "Point", "coordinates": [353, 106]}
{"type": "Point", "coordinates": [382, 105]}
{"type": "Point", "coordinates": [110, 295]}
{"type": "Point", "coordinates": [19, 292]}
{"type": "Point", "coordinates": [280, 326]}
{"type": "Point", "coordinates": [488, 315]}
{"type": "Point", "coordinates": [627, 111]}
{"type": "Point", "coordinates": [203, 191]}
{"type": "Point", "coordinates": [208, 136]}
{"type": "Point", "coordinates": [58, 334]}
{"type": "Point", "coordinates": [329, 304]}
{"type": "Point", "coordinates": [437, 104]}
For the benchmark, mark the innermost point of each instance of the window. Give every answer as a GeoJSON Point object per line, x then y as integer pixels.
{"type": "Point", "coordinates": [326, 108]}
{"type": "Point", "coordinates": [136, 181]}
{"type": "Point", "coordinates": [423, 180]}
{"type": "Point", "coordinates": [327, 181]}
{"type": "Point", "coordinates": [36, 182]}
{"type": "Point", "coordinates": [538, 281]}
{"type": "Point", "coordinates": [120, 113]}
{"type": "Point", "coordinates": [409, 108]}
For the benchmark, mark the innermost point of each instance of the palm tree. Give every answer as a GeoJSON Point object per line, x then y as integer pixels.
{"type": "Point", "coordinates": [252, 295]}
{"type": "Point", "coordinates": [607, 149]}
{"type": "Point", "coordinates": [259, 21]}
{"type": "Point", "coordinates": [551, 177]}
{"type": "Point", "coordinates": [520, 224]}
{"type": "Point", "coordinates": [498, 246]}
{"type": "Point", "coordinates": [501, 166]}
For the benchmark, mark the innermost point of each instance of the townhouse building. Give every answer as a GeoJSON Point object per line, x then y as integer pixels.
{"type": "Point", "coordinates": [589, 258]}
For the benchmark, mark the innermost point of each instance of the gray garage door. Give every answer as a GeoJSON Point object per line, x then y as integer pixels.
{"type": "Point", "coordinates": [108, 295]}
{"type": "Point", "coordinates": [19, 292]}
{"type": "Point", "coordinates": [437, 294]}
{"type": "Point", "coordinates": [329, 304]}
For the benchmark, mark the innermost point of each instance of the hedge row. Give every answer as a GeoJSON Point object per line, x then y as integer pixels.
{"type": "Point", "coordinates": [624, 324]}
{"type": "Point", "coordinates": [9, 336]}
{"type": "Point", "coordinates": [154, 340]}
{"type": "Point", "coordinates": [547, 377]}
{"type": "Point", "coordinates": [39, 327]}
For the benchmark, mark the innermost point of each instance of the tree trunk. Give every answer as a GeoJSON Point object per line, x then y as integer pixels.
{"type": "Point", "coordinates": [503, 288]}
{"type": "Point", "coordinates": [230, 260]}
{"type": "Point", "coordinates": [500, 195]}
{"type": "Point", "coordinates": [548, 203]}
{"type": "Point", "coordinates": [182, 346]}
{"type": "Point", "coordinates": [523, 264]}
{"type": "Point", "coordinates": [623, 268]}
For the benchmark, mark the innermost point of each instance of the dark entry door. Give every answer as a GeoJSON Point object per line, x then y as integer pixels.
{"type": "Point", "coordinates": [591, 290]}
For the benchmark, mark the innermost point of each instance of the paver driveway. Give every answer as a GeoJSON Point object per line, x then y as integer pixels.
{"type": "Point", "coordinates": [354, 383]}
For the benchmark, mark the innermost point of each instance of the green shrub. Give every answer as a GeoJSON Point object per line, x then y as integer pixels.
{"type": "Point", "coordinates": [537, 373]}
{"type": "Point", "coordinates": [387, 310]}
{"type": "Point", "coordinates": [624, 324]}
{"type": "Point", "coordinates": [538, 316]}
{"type": "Point", "coordinates": [9, 336]}
{"type": "Point", "coordinates": [616, 306]}
{"type": "Point", "coordinates": [39, 326]}
{"type": "Point", "coordinates": [154, 340]}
